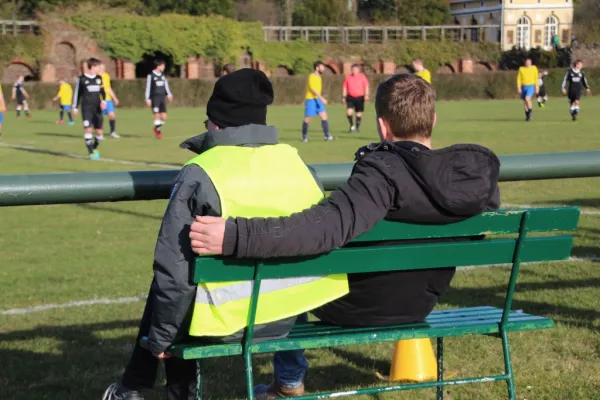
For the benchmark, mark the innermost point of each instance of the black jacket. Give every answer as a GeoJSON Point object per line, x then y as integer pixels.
{"type": "Point", "coordinates": [403, 181]}
{"type": "Point", "coordinates": [193, 194]}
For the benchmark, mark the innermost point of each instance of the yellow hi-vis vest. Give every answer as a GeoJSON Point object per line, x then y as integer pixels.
{"type": "Point", "coordinates": [265, 181]}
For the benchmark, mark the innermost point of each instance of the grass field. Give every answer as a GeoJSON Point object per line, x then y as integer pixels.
{"type": "Point", "coordinates": [56, 255]}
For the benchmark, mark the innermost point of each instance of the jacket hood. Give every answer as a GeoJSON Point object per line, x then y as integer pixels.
{"type": "Point", "coordinates": [461, 179]}
{"type": "Point", "coordinates": [246, 135]}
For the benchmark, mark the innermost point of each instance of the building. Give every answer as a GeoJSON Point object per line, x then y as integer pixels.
{"type": "Point", "coordinates": [520, 23]}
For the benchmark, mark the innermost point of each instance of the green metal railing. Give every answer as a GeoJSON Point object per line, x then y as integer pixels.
{"type": "Point", "coordinates": [22, 190]}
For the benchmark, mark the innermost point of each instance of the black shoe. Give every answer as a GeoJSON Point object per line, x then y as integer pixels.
{"type": "Point", "coordinates": [574, 116]}
{"type": "Point", "coordinates": [528, 117]}
{"type": "Point", "coordinates": [118, 392]}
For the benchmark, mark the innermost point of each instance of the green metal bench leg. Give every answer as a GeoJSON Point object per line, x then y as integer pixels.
{"type": "Point", "coordinates": [198, 379]}
{"type": "Point", "coordinates": [249, 377]}
{"type": "Point", "coordinates": [440, 371]}
{"type": "Point", "coordinates": [510, 382]}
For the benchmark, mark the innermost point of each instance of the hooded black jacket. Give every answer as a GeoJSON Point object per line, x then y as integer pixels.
{"type": "Point", "coordinates": [402, 181]}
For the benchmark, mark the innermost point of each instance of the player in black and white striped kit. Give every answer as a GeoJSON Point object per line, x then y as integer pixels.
{"type": "Point", "coordinates": [89, 91]}
{"type": "Point", "coordinates": [575, 80]}
{"type": "Point", "coordinates": [157, 93]}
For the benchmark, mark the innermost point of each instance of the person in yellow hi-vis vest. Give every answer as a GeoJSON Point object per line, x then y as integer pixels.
{"type": "Point", "coordinates": [240, 171]}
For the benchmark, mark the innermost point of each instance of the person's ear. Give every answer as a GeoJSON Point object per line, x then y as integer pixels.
{"type": "Point", "coordinates": [434, 120]}
{"type": "Point", "coordinates": [383, 127]}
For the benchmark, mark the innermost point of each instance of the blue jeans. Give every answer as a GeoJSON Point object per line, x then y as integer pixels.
{"type": "Point", "coordinates": [290, 366]}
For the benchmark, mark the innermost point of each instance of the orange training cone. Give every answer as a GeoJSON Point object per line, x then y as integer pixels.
{"type": "Point", "coordinates": [413, 361]}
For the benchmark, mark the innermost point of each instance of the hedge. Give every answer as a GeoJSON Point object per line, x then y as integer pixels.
{"type": "Point", "coordinates": [291, 90]}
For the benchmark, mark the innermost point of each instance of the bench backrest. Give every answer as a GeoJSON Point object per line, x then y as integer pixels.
{"type": "Point", "coordinates": [508, 240]}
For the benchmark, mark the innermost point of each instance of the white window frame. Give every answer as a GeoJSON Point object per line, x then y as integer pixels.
{"type": "Point", "coordinates": [523, 39]}
{"type": "Point", "coordinates": [550, 29]}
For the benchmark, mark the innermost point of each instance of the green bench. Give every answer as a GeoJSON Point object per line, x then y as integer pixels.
{"type": "Point", "coordinates": [508, 241]}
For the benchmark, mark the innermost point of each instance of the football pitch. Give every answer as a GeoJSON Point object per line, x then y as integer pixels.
{"type": "Point", "coordinates": [73, 277]}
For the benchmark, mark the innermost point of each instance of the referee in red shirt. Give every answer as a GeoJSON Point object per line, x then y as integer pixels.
{"type": "Point", "coordinates": [355, 93]}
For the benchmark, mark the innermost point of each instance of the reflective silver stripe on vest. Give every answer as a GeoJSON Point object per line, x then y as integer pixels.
{"type": "Point", "coordinates": [243, 290]}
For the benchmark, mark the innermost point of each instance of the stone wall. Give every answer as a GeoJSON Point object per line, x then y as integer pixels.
{"type": "Point", "coordinates": [589, 54]}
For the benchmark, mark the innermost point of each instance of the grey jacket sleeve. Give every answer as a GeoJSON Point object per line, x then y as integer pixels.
{"type": "Point", "coordinates": [172, 289]}
{"type": "Point", "coordinates": [350, 210]}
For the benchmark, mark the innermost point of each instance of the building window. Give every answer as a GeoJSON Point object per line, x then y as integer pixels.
{"type": "Point", "coordinates": [550, 29]}
{"type": "Point", "coordinates": [523, 33]}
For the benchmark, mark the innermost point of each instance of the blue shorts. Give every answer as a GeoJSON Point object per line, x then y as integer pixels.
{"type": "Point", "coordinates": [66, 108]}
{"type": "Point", "coordinates": [1, 117]}
{"type": "Point", "coordinates": [110, 107]}
{"type": "Point", "coordinates": [313, 107]}
{"type": "Point", "coordinates": [527, 91]}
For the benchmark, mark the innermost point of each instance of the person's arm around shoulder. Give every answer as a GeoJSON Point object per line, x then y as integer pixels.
{"type": "Point", "coordinates": [350, 210]}
{"type": "Point", "coordinates": [172, 289]}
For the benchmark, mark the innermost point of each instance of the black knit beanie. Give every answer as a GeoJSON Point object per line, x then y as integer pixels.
{"type": "Point", "coordinates": [240, 98]}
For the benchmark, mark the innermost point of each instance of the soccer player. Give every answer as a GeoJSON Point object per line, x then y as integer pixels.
{"type": "Point", "coordinates": [527, 85]}
{"type": "Point", "coordinates": [2, 109]}
{"type": "Point", "coordinates": [576, 80]}
{"type": "Point", "coordinates": [65, 96]}
{"type": "Point", "coordinates": [228, 69]}
{"type": "Point", "coordinates": [157, 93]}
{"type": "Point", "coordinates": [314, 103]}
{"type": "Point", "coordinates": [542, 95]}
{"type": "Point", "coordinates": [111, 102]}
{"type": "Point", "coordinates": [89, 91]}
{"type": "Point", "coordinates": [20, 94]}
{"type": "Point", "coordinates": [355, 93]}
{"type": "Point", "coordinates": [421, 71]}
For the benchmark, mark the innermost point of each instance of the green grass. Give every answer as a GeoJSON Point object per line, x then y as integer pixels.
{"type": "Point", "coordinates": [57, 254]}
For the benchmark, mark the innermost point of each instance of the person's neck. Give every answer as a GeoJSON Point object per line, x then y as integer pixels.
{"type": "Point", "coordinates": [90, 74]}
{"type": "Point", "coordinates": [425, 141]}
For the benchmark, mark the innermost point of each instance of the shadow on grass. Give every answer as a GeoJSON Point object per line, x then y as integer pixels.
{"type": "Point", "coordinates": [64, 135]}
{"type": "Point", "coordinates": [96, 207]}
{"type": "Point", "coordinates": [589, 203]}
{"type": "Point", "coordinates": [494, 296]}
{"type": "Point", "coordinates": [80, 361]}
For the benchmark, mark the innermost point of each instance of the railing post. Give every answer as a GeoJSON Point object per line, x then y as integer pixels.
{"type": "Point", "coordinates": [462, 34]}
{"type": "Point", "coordinates": [404, 35]}
{"type": "Point", "coordinates": [443, 34]}
{"type": "Point", "coordinates": [14, 28]}
{"type": "Point", "coordinates": [326, 35]}
{"type": "Point", "coordinates": [424, 33]}
{"type": "Point", "coordinates": [306, 34]}
{"type": "Point", "coordinates": [384, 35]}
{"type": "Point", "coordinates": [3, 28]}
{"type": "Point", "coordinates": [365, 35]}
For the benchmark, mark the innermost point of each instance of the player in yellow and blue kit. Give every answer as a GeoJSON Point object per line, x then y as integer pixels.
{"type": "Point", "coordinates": [527, 85]}
{"type": "Point", "coordinates": [111, 102]}
{"type": "Point", "coordinates": [65, 96]}
{"type": "Point", "coordinates": [314, 102]}
{"type": "Point", "coordinates": [2, 109]}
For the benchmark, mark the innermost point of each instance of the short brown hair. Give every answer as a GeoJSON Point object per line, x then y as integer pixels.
{"type": "Point", "coordinates": [407, 103]}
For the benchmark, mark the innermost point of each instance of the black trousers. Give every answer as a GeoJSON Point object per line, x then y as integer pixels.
{"type": "Point", "coordinates": [140, 373]}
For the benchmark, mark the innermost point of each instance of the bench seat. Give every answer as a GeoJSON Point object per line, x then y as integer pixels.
{"type": "Point", "coordinates": [441, 323]}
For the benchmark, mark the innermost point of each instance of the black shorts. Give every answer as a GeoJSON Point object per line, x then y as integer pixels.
{"type": "Point", "coordinates": [574, 95]}
{"type": "Point", "coordinates": [159, 104]}
{"type": "Point", "coordinates": [356, 103]}
{"type": "Point", "coordinates": [21, 101]}
{"type": "Point", "coordinates": [92, 118]}
{"type": "Point", "coordinates": [542, 92]}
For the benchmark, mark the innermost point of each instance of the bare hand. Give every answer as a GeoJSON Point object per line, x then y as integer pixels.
{"type": "Point", "coordinates": [116, 101]}
{"type": "Point", "coordinates": [148, 103]}
{"type": "Point", "coordinates": [588, 92]}
{"type": "Point", "coordinates": [207, 235]}
{"type": "Point", "coordinates": [366, 97]}
{"type": "Point", "coordinates": [537, 92]}
{"type": "Point", "coordinates": [163, 356]}
{"type": "Point", "coordinates": [103, 106]}
{"type": "Point", "coordinates": [520, 90]}
{"type": "Point", "coordinates": [75, 111]}
{"type": "Point", "coordinates": [324, 101]}
{"type": "Point", "coordinates": [170, 98]}
{"type": "Point", "coordinates": [564, 92]}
